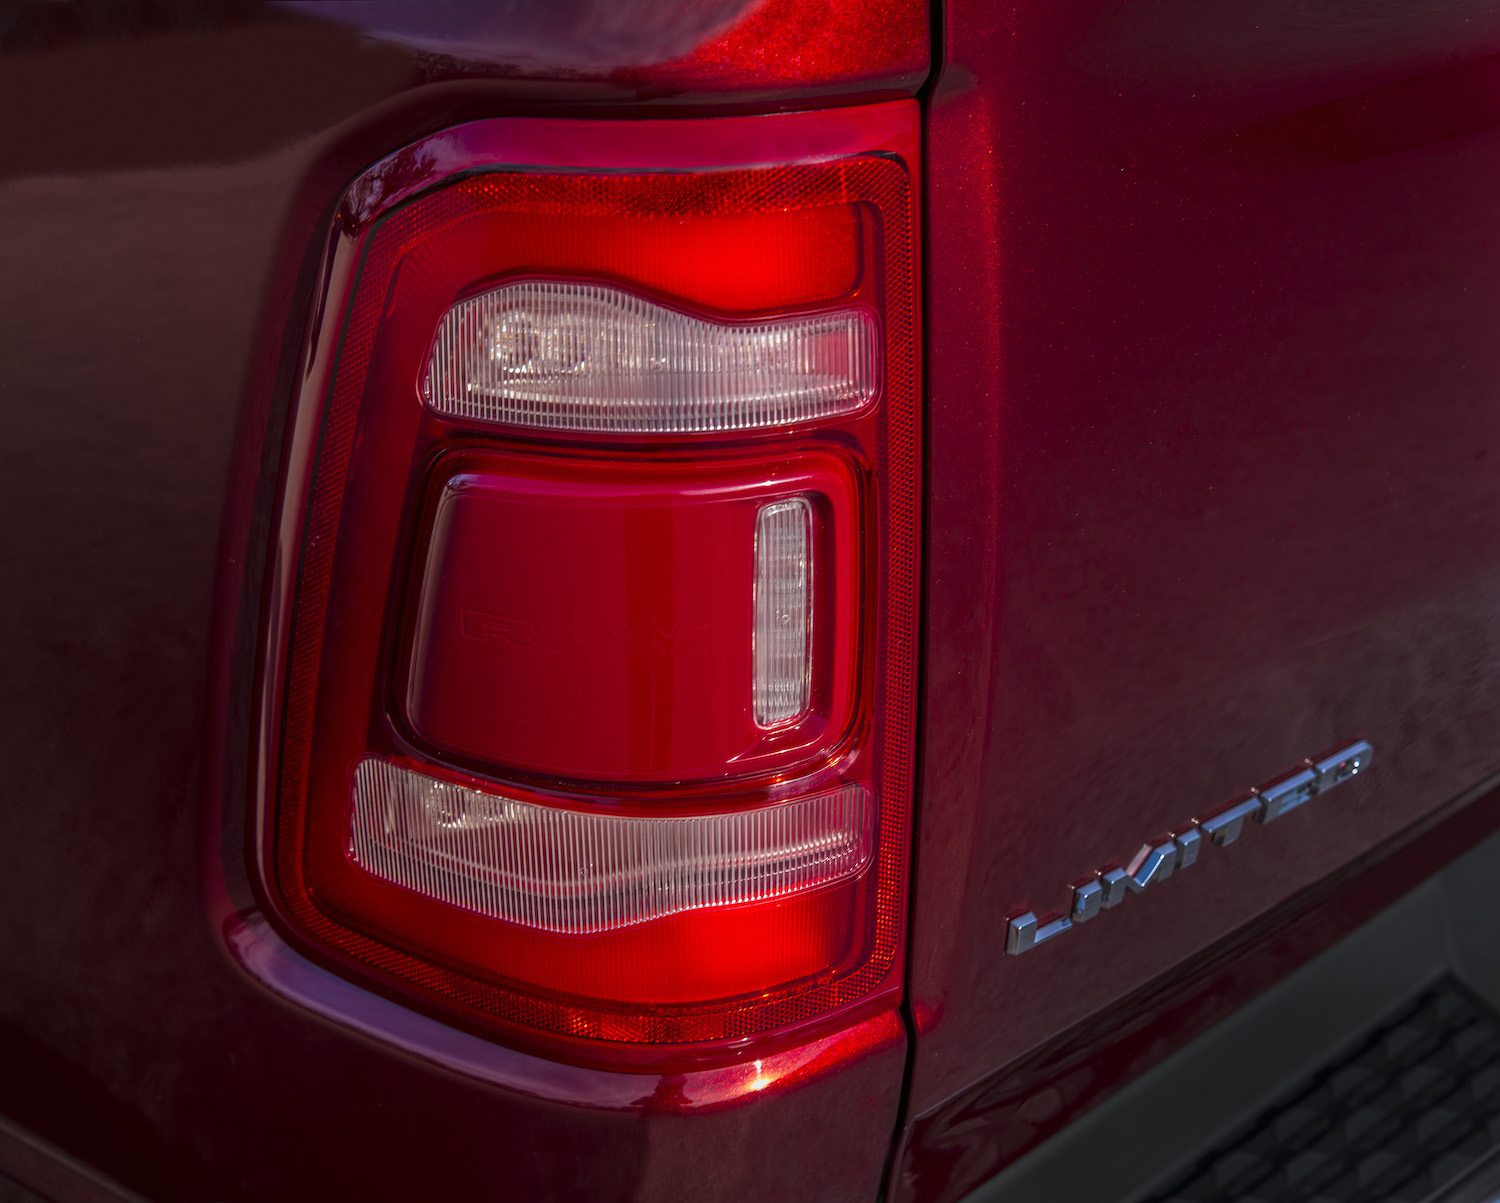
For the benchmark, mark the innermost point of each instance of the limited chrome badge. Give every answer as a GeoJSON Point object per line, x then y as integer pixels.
{"type": "Point", "coordinates": [1158, 859]}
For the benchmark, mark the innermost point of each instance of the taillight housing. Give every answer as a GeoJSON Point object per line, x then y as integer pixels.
{"type": "Point", "coordinates": [589, 671]}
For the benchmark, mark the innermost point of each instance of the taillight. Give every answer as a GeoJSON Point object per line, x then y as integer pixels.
{"type": "Point", "coordinates": [590, 681]}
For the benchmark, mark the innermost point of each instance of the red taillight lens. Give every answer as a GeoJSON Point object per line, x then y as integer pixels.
{"type": "Point", "coordinates": [595, 619]}
{"type": "Point", "coordinates": [597, 694]}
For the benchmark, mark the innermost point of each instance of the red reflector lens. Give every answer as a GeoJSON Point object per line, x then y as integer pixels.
{"type": "Point", "coordinates": [595, 620]}
{"type": "Point", "coordinates": [617, 230]}
{"type": "Point", "coordinates": [590, 687]}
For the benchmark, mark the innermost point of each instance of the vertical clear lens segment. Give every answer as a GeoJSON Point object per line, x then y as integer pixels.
{"type": "Point", "coordinates": [783, 610]}
{"type": "Point", "coordinates": [575, 356]}
{"type": "Point", "coordinates": [583, 872]}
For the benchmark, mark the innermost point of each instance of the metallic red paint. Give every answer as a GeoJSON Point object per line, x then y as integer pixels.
{"type": "Point", "coordinates": [1214, 413]}
{"type": "Point", "coordinates": [1177, 248]}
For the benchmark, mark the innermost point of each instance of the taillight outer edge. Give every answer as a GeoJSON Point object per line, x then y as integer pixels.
{"type": "Point", "coordinates": [316, 431]}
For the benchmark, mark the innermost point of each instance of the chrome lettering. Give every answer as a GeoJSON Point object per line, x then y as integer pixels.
{"type": "Point", "coordinates": [1225, 827]}
{"type": "Point", "coordinates": [1157, 860]}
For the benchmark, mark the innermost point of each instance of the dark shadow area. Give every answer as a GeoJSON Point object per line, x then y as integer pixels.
{"type": "Point", "coordinates": [178, 94]}
{"type": "Point", "coordinates": [45, 1092]}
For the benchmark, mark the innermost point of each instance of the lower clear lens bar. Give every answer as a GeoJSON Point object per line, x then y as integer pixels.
{"type": "Point", "coordinates": [581, 872]}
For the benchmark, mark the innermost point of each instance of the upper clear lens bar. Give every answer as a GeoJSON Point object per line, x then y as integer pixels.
{"type": "Point", "coordinates": [557, 355]}
{"type": "Point", "coordinates": [579, 872]}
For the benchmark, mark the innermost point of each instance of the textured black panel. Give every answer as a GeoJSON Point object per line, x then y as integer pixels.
{"type": "Point", "coordinates": [1408, 1108]}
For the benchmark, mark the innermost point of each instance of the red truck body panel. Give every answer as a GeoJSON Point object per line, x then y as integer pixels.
{"type": "Point", "coordinates": [1209, 487]}
{"type": "Point", "coordinates": [1211, 418]}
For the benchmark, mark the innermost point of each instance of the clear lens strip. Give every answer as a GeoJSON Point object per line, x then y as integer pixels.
{"type": "Point", "coordinates": [556, 355]}
{"type": "Point", "coordinates": [582, 872]}
{"type": "Point", "coordinates": [783, 611]}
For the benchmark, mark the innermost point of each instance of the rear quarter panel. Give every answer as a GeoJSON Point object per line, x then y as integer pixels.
{"type": "Point", "coordinates": [165, 189]}
{"type": "Point", "coordinates": [1213, 420]}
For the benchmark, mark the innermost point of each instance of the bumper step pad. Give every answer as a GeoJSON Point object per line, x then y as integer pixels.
{"type": "Point", "coordinates": [1406, 1110]}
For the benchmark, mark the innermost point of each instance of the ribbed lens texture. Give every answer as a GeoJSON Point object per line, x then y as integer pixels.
{"type": "Point", "coordinates": [577, 872]}
{"type": "Point", "coordinates": [783, 610]}
{"type": "Point", "coordinates": [563, 356]}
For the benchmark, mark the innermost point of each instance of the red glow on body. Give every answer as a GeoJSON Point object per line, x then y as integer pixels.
{"type": "Point", "coordinates": [792, 43]}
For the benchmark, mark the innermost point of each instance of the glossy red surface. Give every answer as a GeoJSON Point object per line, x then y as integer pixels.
{"type": "Point", "coordinates": [794, 45]}
{"type": "Point", "coordinates": [347, 561]}
{"type": "Point", "coordinates": [1212, 428]}
{"type": "Point", "coordinates": [631, 659]}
